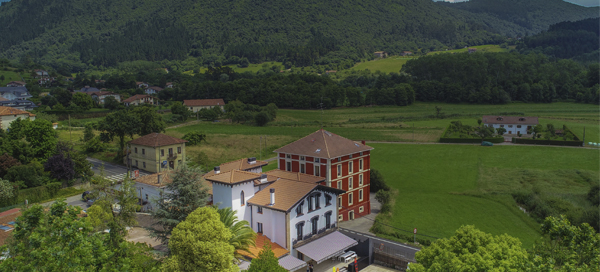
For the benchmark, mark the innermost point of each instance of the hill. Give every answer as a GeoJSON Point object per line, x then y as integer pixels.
{"type": "Point", "coordinates": [533, 15]}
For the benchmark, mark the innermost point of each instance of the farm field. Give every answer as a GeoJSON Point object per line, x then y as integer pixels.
{"type": "Point", "coordinates": [386, 65]}
{"type": "Point", "coordinates": [441, 187]}
{"type": "Point", "coordinates": [11, 76]}
{"type": "Point", "coordinates": [489, 48]}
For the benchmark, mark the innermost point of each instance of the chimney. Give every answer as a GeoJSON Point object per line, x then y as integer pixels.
{"type": "Point", "coordinates": [217, 169]}
{"type": "Point", "coordinates": [263, 178]}
{"type": "Point", "coordinates": [363, 142]}
{"type": "Point", "coordinates": [272, 190]}
{"type": "Point", "coordinates": [158, 178]}
{"type": "Point", "coordinates": [252, 160]}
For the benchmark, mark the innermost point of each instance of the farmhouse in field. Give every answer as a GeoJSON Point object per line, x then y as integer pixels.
{"type": "Point", "coordinates": [293, 212]}
{"type": "Point", "coordinates": [139, 99]}
{"type": "Point", "coordinates": [512, 124]}
{"type": "Point", "coordinates": [156, 152]}
{"type": "Point", "coordinates": [8, 114]}
{"type": "Point", "coordinates": [381, 54]}
{"type": "Point", "coordinates": [342, 163]}
{"type": "Point", "coordinates": [198, 104]}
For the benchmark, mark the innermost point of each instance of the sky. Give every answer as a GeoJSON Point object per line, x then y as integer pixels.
{"type": "Point", "coordinates": [585, 3]}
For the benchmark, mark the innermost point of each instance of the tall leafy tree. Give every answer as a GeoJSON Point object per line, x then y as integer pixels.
{"type": "Point", "coordinates": [41, 137]}
{"type": "Point", "coordinates": [6, 189]}
{"type": "Point", "coordinates": [61, 240]}
{"type": "Point", "coordinates": [266, 262]}
{"type": "Point", "coordinates": [119, 124]}
{"type": "Point", "coordinates": [182, 196]}
{"type": "Point", "coordinates": [242, 234]}
{"type": "Point", "coordinates": [150, 120]}
{"type": "Point", "coordinates": [82, 100]}
{"type": "Point", "coordinates": [201, 243]}
{"type": "Point", "coordinates": [179, 108]}
{"type": "Point", "coordinates": [6, 162]}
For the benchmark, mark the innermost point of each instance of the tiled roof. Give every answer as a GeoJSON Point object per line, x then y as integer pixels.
{"type": "Point", "coordinates": [99, 93]}
{"type": "Point", "coordinates": [89, 89]}
{"type": "Point", "coordinates": [233, 177]}
{"type": "Point", "coordinates": [156, 88]}
{"type": "Point", "coordinates": [157, 139]}
{"type": "Point", "coordinates": [261, 241]}
{"type": "Point", "coordinates": [237, 165]}
{"type": "Point", "coordinates": [325, 144]}
{"type": "Point", "coordinates": [287, 194]}
{"type": "Point", "coordinates": [136, 97]}
{"type": "Point", "coordinates": [204, 102]}
{"type": "Point", "coordinates": [3, 99]}
{"type": "Point", "coordinates": [295, 176]}
{"type": "Point", "coordinates": [18, 82]}
{"type": "Point", "coordinates": [166, 179]}
{"type": "Point", "coordinates": [12, 111]}
{"type": "Point", "coordinates": [513, 120]}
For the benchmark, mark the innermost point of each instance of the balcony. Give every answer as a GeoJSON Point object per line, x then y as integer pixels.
{"type": "Point", "coordinates": [311, 237]}
{"type": "Point", "coordinates": [172, 156]}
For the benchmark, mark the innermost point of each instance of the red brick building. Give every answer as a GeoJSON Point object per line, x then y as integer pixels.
{"type": "Point", "coordinates": [343, 163]}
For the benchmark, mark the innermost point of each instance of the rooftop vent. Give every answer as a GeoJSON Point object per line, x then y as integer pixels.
{"type": "Point", "coordinates": [263, 178]}
{"type": "Point", "coordinates": [272, 191]}
{"type": "Point", "coordinates": [217, 169]}
{"type": "Point", "coordinates": [252, 160]}
{"type": "Point", "coordinates": [356, 145]}
{"type": "Point", "coordinates": [318, 150]}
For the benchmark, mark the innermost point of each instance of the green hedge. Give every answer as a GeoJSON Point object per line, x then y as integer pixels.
{"type": "Point", "coordinates": [496, 140]}
{"type": "Point", "coordinates": [546, 142]}
{"type": "Point", "coordinates": [33, 195]}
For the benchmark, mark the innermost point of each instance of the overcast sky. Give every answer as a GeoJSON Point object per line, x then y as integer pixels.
{"type": "Point", "coordinates": [586, 3]}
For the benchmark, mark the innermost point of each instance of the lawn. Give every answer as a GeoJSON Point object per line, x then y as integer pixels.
{"type": "Point", "coordinates": [253, 68]}
{"type": "Point", "coordinates": [8, 77]}
{"type": "Point", "coordinates": [489, 48]}
{"type": "Point", "coordinates": [386, 65]}
{"type": "Point", "coordinates": [441, 187]}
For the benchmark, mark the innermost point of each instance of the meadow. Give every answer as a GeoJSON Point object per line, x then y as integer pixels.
{"type": "Point", "coordinates": [442, 187]}
{"type": "Point", "coordinates": [11, 75]}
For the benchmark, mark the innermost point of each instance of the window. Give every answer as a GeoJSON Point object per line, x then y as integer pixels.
{"type": "Point", "coordinates": [179, 150]}
{"type": "Point", "coordinates": [361, 209]}
{"type": "Point", "coordinates": [301, 158]}
{"type": "Point", "coordinates": [339, 202]}
{"type": "Point", "coordinates": [299, 231]}
{"type": "Point", "coordinates": [350, 167]}
{"type": "Point", "coordinates": [146, 196]}
{"type": "Point", "coordinates": [144, 165]}
{"type": "Point", "coordinates": [339, 184]}
{"type": "Point", "coordinates": [162, 152]}
{"type": "Point", "coordinates": [340, 217]}
{"type": "Point", "coordinates": [360, 164]}
{"type": "Point", "coordinates": [136, 150]}
{"type": "Point", "coordinates": [339, 159]}
{"type": "Point", "coordinates": [288, 166]}
{"type": "Point", "coordinates": [339, 170]}
{"type": "Point", "coordinates": [509, 126]}
{"type": "Point", "coordinates": [300, 255]}
{"type": "Point", "coordinates": [287, 156]}
{"type": "Point", "coordinates": [350, 156]}
{"type": "Point", "coordinates": [136, 163]}
{"type": "Point", "coordinates": [317, 201]}
{"type": "Point", "coordinates": [501, 125]}
{"type": "Point", "coordinates": [299, 210]}
{"type": "Point", "coordinates": [360, 180]}
{"type": "Point", "coordinates": [317, 160]}
{"type": "Point", "coordinates": [259, 210]}
{"type": "Point", "coordinates": [350, 183]}
{"type": "Point", "coordinates": [360, 195]}
{"type": "Point", "coordinates": [518, 126]}
{"type": "Point", "coordinates": [349, 199]}
{"type": "Point", "coordinates": [310, 203]}
{"type": "Point", "coordinates": [170, 151]}
{"type": "Point", "coordinates": [302, 169]}
{"type": "Point", "coordinates": [259, 227]}
{"type": "Point", "coordinates": [328, 220]}
{"type": "Point", "coordinates": [317, 170]}
{"type": "Point", "coordinates": [242, 200]}
{"type": "Point", "coordinates": [327, 200]}
{"type": "Point", "coordinates": [521, 119]}
{"type": "Point", "coordinates": [315, 226]}
{"type": "Point", "coordinates": [143, 151]}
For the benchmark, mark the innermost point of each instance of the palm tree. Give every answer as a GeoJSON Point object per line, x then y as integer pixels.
{"type": "Point", "coordinates": [243, 235]}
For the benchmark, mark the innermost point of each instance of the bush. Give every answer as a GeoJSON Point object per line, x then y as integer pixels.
{"type": "Point", "coordinates": [377, 182]}
{"type": "Point", "coordinates": [33, 195]}
{"type": "Point", "coordinates": [261, 119]}
{"type": "Point", "coordinates": [95, 145]}
{"type": "Point", "coordinates": [594, 195]}
{"type": "Point", "coordinates": [383, 197]}
{"type": "Point", "coordinates": [194, 137]}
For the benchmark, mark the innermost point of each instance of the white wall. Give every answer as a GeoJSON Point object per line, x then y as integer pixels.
{"type": "Point", "coordinates": [222, 195]}
{"type": "Point", "coordinates": [511, 128]}
{"type": "Point", "coordinates": [273, 224]}
{"type": "Point", "coordinates": [248, 188]}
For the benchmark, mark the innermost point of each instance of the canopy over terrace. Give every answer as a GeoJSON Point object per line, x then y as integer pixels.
{"type": "Point", "coordinates": [291, 264]}
{"type": "Point", "coordinates": [328, 246]}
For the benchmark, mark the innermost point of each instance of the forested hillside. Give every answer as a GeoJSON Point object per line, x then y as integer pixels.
{"type": "Point", "coordinates": [533, 15]}
{"type": "Point", "coordinates": [73, 34]}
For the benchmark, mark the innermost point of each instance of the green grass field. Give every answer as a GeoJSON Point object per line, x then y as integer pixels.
{"type": "Point", "coordinates": [387, 65]}
{"type": "Point", "coordinates": [10, 76]}
{"type": "Point", "coordinates": [489, 48]}
{"type": "Point", "coordinates": [440, 186]}
{"type": "Point", "coordinates": [251, 68]}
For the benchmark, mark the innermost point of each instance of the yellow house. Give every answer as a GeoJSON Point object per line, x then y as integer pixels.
{"type": "Point", "coordinates": [198, 104]}
{"type": "Point", "coordinates": [156, 152]}
{"type": "Point", "coordinates": [8, 114]}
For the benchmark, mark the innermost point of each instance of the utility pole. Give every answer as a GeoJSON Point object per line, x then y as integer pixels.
{"type": "Point", "coordinates": [70, 135]}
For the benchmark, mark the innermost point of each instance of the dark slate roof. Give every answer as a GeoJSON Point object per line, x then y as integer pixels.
{"type": "Point", "coordinates": [89, 89]}
{"type": "Point", "coordinates": [17, 103]}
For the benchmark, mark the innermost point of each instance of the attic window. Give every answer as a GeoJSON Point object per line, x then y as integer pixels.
{"type": "Point", "coordinates": [499, 118]}
{"type": "Point", "coordinates": [521, 119]}
{"type": "Point", "coordinates": [318, 150]}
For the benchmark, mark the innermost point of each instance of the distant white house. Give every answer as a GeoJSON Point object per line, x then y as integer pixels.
{"type": "Point", "coordinates": [8, 115]}
{"type": "Point", "coordinates": [512, 124]}
{"type": "Point", "coordinates": [153, 90]}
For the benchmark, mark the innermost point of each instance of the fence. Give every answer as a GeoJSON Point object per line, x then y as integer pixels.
{"type": "Point", "coordinates": [390, 257]}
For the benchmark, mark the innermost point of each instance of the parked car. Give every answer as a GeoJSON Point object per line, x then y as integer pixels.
{"type": "Point", "coordinates": [86, 195]}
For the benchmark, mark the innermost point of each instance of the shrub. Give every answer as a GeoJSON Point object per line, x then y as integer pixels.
{"type": "Point", "coordinates": [594, 195]}
{"type": "Point", "coordinates": [194, 137]}
{"type": "Point", "coordinates": [261, 119]}
{"type": "Point", "coordinates": [95, 145]}
{"type": "Point", "coordinates": [377, 182]}
{"type": "Point", "coordinates": [383, 197]}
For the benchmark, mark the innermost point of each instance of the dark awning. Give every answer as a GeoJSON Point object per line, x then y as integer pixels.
{"type": "Point", "coordinates": [328, 246]}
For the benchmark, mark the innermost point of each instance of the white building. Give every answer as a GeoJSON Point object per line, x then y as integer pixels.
{"type": "Point", "coordinates": [153, 90]}
{"type": "Point", "coordinates": [293, 212]}
{"type": "Point", "coordinates": [512, 124]}
{"type": "Point", "coordinates": [8, 114]}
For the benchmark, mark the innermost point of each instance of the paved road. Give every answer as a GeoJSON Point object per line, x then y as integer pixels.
{"type": "Point", "coordinates": [112, 172]}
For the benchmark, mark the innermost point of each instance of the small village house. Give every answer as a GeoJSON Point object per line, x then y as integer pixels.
{"type": "Point", "coordinates": [512, 124]}
{"type": "Point", "coordinates": [141, 85]}
{"type": "Point", "coordinates": [156, 152]}
{"type": "Point", "coordinates": [153, 90]}
{"type": "Point", "coordinates": [381, 54]}
{"type": "Point", "coordinates": [99, 96]}
{"type": "Point", "coordinates": [8, 115]}
{"type": "Point", "coordinates": [406, 53]}
{"type": "Point", "coordinates": [169, 85]}
{"type": "Point", "coordinates": [15, 93]}
{"type": "Point", "coordinates": [40, 73]}
{"type": "Point", "coordinates": [16, 84]}
{"type": "Point", "coordinates": [138, 99]}
{"type": "Point", "coordinates": [198, 104]}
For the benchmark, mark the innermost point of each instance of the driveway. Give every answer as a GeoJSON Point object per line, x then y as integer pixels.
{"type": "Point", "coordinates": [364, 224]}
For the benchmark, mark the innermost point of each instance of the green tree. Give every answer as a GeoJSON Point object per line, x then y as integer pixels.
{"type": "Point", "coordinates": [472, 250]}
{"type": "Point", "coordinates": [271, 109]}
{"type": "Point", "coordinates": [500, 131]}
{"type": "Point", "coordinates": [208, 115]}
{"type": "Point", "coordinates": [6, 189]}
{"type": "Point", "coordinates": [537, 131]}
{"type": "Point", "coordinates": [119, 124]}
{"type": "Point", "coordinates": [83, 100]}
{"type": "Point", "coordinates": [150, 120]}
{"type": "Point", "coordinates": [178, 108]}
{"type": "Point", "coordinates": [550, 129]}
{"type": "Point", "coordinates": [41, 137]}
{"type": "Point", "coordinates": [88, 133]}
{"type": "Point", "coordinates": [261, 118]}
{"type": "Point", "coordinates": [484, 131]}
{"type": "Point", "coordinates": [185, 194]}
{"type": "Point", "coordinates": [201, 243]}
{"type": "Point", "coordinates": [194, 137]}
{"type": "Point", "coordinates": [99, 217]}
{"type": "Point", "coordinates": [111, 103]}
{"type": "Point", "coordinates": [266, 262]}
{"type": "Point", "coordinates": [377, 181]}
{"type": "Point", "coordinates": [242, 234]}
{"type": "Point", "coordinates": [59, 240]}
{"type": "Point", "coordinates": [6, 162]}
